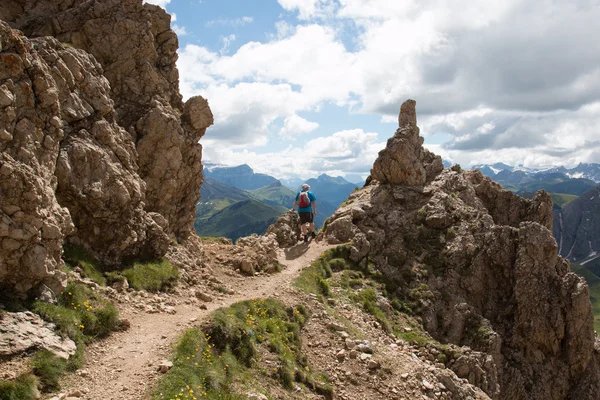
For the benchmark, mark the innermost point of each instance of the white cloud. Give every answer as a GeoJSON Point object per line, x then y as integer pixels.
{"type": "Point", "coordinates": [162, 3]}
{"type": "Point", "coordinates": [486, 73]}
{"type": "Point", "coordinates": [295, 125]}
{"type": "Point", "coordinates": [227, 40]}
{"type": "Point", "coordinates": [309, 8]}
{"type": "Point", "coordinates": [179, 30]}
{"type": "Point", "coordinates": [235, 22]}
{"type": "Point", "coordinates": [351, 151]}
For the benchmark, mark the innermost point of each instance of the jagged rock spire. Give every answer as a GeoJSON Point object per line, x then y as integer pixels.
{"type": "Point", "coordinates": [404, 161]}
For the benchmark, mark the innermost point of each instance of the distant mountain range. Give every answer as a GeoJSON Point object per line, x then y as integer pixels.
{"type": "Point", "coordinates": [576, 196]}
{"type": "Point", "coordinates": [233, 204]}
{"type": "Point", "coordinates": [564, 184]}
{"type": "Point", "coordinates": [241, 177]}
{"type": "Point", "coordinates": [521, 174]}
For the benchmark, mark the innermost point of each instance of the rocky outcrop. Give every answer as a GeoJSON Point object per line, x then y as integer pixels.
{"type": "Point", "coordinates": [137, 51]}
{"type": "Point", "coordinates": [286, 230]}
{"type": "Point", "coordinates": [25, 331]}
{"type": "Point", "coordinates": [480, 267]}
{"type": "Point", "coordinates": [97, 145]}
{"type": "Point", "coordinates": [577, 228]}
{"type": "Point", "coordinates": [404, 161]}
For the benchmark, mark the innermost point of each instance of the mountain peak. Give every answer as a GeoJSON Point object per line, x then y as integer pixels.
{"type": "Point", "coordinates": [275, 184]}
{"type": "Point", "coordinates": [404, 160]}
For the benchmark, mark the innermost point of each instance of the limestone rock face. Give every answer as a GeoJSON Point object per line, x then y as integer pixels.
{"type": "Point", "coordinates": [480, 266]}
{"type": "Point", "coordinates": [32, 223]}
{"type": "Point", "coordinates": [137, 50]}
{"type": "Point", "coordinates": [403, 161]}
{"type": "Point", "coordinates": [96, 144]}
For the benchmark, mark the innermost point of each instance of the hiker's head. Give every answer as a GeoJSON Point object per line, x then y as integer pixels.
{"type": "Point", "coordinates": [305, 187]}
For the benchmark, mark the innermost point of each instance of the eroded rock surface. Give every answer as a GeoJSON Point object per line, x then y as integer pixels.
{"type": "Point", "coordinates": [25, 331]}
{"type": "Point", "coordinates": [480, 266]}
{"type": "Point", "coordinates": [286, 230]}
{"type": "Point", "coordinates": [97, 145]}
{"type": "Point", "coordinates": [404, 161]}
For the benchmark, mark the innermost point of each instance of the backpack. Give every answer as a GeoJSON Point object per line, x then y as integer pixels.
{"type": "Point", "coordinates": [303, 200]}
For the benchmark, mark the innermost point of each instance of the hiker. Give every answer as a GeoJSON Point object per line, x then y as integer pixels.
{"type": "Point", "coordinates": [307, 209]}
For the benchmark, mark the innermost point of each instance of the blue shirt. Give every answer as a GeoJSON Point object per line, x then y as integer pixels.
{"type": "Point", "coordinates": [312, 198]}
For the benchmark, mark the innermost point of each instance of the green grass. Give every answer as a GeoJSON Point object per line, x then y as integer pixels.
{"type": "Point", "coordinates": [80, 314]}
{"type": "Point", "coordinates": [23, 388]}
{"type": "Point", "coordinates": [210, 361]}
{"type": "Point", "coordinates": [152, 276]}
{"type": "Point", "coordinates": [563, 199]}
{"type": "Point", "coordinates": [368, 299]}
{"type": "Point", "coordinates": [77, 256]}
{"type": "Point", "coordinates": [362, 285]}
{"type": "Point", "coordinates": [48, 368]}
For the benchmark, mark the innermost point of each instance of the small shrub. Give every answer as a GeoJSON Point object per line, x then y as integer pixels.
{"type": "Point", "coordinates": [48, 368]}
{"type": "Point", "coordinates": [23, 388]}
{"type": "Point", "coordinates": [337, 264]}
{"type": "Point", "coordinates": [323, 286]}
{"type": "Point", "coordinates": [152, 276]}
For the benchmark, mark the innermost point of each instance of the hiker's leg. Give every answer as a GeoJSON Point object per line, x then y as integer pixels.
{"type": "Point", "coordinates": [312, 227]}
{"type": "Point", "coordinates": [303, 229]}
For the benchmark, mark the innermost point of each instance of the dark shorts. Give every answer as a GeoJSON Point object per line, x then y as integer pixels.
{"type": "Point", "coordinates": [306, 217]}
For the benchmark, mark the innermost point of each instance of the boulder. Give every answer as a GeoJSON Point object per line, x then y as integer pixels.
{"type": "Point", "coordinates": [24, 332]}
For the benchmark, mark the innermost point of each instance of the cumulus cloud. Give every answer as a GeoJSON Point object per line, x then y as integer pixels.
{"type": "Point", "coordinates": [350, 151]}
{"type": "Point", "coordinates": [179, 30]}
{"type": "Point", "coordinates": [508, 80]}
{"type": "Point", "coordinates": [294, 125]}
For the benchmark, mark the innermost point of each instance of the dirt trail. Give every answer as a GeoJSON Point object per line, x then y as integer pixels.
{"type": "Point", "coordinates": [123, 366]}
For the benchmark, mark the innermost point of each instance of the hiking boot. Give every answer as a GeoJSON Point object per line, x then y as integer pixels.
{"type": "Point", "coordinates": [313, 234]}
{"type": "Point", "coordinates": [305, 238]}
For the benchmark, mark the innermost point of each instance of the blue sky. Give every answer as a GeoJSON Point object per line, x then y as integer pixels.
{"type": "Point", "coordinates": [303, 87]}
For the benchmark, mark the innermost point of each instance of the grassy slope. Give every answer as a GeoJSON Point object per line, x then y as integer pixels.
{"type": "Point", "coordinates": [274, 195]}
{"type": "Point", "coordinates": [562, 199]}
{"type": "Point", "coordinates": [593, 282]}
{"type": "Point", "coordinates": [572, 186]}
{"type": "Point", "coordinates": [240, 219]}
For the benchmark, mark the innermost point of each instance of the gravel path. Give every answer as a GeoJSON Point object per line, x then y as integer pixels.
{"type": "Point", "coordinates": [123, 366]}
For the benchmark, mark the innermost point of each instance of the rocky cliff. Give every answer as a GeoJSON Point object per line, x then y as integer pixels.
{"type": "Point", "coordinates": [577, 227]}
{"type": "Point", "coordinates": [479, 266]}
{"type": "Point", "coordinates": [96, 144]}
